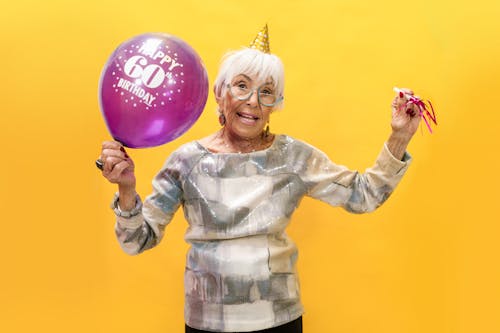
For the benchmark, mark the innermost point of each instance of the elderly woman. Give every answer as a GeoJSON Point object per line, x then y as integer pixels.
{"type": "Point", "coordinates": [239, 188]}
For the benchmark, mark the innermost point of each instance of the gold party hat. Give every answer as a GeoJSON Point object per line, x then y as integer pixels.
{"type": "Point", "coordinates": [261, 41]}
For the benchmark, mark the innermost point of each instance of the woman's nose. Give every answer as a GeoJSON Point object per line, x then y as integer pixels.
{"type": "Point", "coordinates": [254, 99]}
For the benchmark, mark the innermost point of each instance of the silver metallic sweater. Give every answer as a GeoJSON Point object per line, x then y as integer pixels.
{"type": "Point", "coordinates": [240, 272]}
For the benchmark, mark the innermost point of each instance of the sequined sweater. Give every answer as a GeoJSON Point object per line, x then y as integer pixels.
{"type": "Point", "coordinates": [240, 272]}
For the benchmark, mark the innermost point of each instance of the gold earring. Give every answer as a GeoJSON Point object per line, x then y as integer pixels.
{"type": "Point", "coordinates": [266, 131]}
{"type": "Point", "coordinates": [222, 119]}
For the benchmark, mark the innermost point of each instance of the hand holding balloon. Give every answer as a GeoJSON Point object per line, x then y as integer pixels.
{"type": "Point", "coordinates": [118, 167]}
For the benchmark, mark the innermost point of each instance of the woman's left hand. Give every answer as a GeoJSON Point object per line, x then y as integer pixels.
{"type": "Point", "coordinates": [405, 118]}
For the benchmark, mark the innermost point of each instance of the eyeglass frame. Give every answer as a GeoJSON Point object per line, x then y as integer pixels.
{"type": "Point", "coordinates": [278, 99]}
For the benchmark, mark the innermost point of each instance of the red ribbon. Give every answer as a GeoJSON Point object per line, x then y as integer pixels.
{"type": "Point", "coordinates": [423, 110]}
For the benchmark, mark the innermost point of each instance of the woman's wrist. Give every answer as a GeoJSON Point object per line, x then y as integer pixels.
{"type": "Point", "coordinates": [127, 195]}
{"type": "Point", "coordinates": [397, 144]}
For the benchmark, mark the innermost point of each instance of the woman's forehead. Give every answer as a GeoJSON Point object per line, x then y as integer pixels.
{"type": "Point", "coordinates": [253, 79]}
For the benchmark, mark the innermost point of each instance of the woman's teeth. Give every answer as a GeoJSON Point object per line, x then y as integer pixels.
{"type": "Point", "coordinates": [247, 116]}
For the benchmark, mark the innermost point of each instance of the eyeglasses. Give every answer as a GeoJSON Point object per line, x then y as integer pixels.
{"type": "Point", "coordinates": [241, 92]}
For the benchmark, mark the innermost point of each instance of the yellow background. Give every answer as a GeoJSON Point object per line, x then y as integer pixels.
{"type": "Point", "coordinates": [427, 261]}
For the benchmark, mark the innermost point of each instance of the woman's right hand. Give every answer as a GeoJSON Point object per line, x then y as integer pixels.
{"type": "Point", "coordinates": [118, 167]}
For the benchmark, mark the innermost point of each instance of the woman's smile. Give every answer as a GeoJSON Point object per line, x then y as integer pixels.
{"type": "Point", "coordinates": [247, 118]}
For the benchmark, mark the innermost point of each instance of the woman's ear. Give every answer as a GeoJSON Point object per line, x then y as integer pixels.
{"type": "Point", "coordinates": [217, 96]}
{"type": "Point", "coordinates": [219, 99]}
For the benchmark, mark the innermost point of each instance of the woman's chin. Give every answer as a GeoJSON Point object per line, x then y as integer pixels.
{"type": "Point", "coordinates": [247, 132]}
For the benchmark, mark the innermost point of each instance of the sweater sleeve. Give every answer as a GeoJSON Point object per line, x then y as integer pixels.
{"type": "Point", "coordinates": [145, 230]}
{"type": "Point", "coordinates": [355, 192]}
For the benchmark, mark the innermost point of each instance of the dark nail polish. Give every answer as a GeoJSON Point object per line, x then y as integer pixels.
{"type": "Point", "coordinates": [122, 149]}
{"type": "Point", "coordinates": [401, 94]}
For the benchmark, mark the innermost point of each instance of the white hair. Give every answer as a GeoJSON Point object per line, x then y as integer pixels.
{"type": "Point", "coordinates": [253, 63]}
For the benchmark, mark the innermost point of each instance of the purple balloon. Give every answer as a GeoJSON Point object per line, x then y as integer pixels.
{"type": "Point", "coordinates": [152, 89]}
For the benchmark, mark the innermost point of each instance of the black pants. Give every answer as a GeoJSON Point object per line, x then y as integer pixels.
{"type": "Point", "coordinates": [291, 327]}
